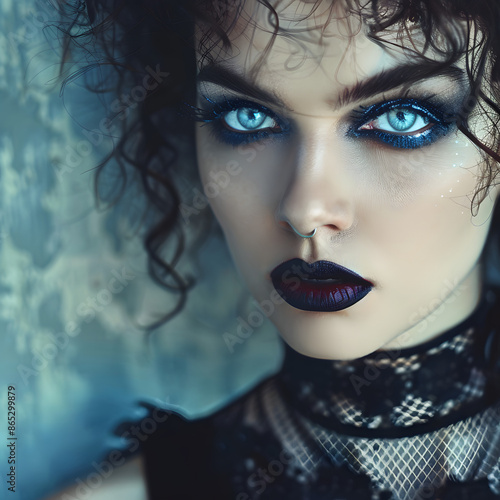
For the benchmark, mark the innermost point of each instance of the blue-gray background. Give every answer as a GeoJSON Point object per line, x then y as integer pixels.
{"type": "Point", "coordinates": [57, 252]}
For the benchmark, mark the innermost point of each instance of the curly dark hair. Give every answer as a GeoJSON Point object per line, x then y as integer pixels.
{"type": "Point", "coordinates": [150, 45]}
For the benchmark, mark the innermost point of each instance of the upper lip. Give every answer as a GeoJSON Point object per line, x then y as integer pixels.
{"type": "Point", "coordinates": [320, 270]}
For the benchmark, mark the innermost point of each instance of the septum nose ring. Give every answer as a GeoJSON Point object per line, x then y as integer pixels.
{"type": "Point", "coordinates": [303, 235]}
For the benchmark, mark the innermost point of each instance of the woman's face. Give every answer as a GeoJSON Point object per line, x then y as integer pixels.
{"type": "Point", "coordinates": [356, 141]}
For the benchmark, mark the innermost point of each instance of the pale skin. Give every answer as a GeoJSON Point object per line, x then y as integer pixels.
{"type": "Point", "coordinates": [398, 217]}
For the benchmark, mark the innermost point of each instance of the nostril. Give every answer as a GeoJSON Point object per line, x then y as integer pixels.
{"type": "Point", "coordinates": [309, 234]}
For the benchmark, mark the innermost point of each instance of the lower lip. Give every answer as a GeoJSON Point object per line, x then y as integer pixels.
{"type": "Point", "coordinates": [317, 296]}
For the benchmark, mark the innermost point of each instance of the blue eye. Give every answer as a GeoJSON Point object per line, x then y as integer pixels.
{"type": "Point", "coordinates": [402, 123]}
{"type": "Point", "coordinates": [237, 121]}
{"type": "Point", "coordinates": [248, 120]}
{"type": "Point", "coordinates": [403, 120]}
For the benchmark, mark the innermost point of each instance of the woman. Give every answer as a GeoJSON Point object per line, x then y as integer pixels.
{"type": "Point", "coordinates": [349, 153]}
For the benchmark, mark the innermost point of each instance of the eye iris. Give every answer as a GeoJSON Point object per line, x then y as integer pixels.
{"type": "Point", "coordinates": [250, 118]}
{"type": "Point", "coordinates": [401, 119]}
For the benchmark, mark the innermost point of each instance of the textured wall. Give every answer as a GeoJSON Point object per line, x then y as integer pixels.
{"type": "Point", "coordinates": [68, 341]}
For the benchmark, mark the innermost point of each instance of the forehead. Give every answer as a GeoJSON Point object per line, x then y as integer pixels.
{"type": "Point", "coordinates": [307, 52]}
{"type": "Point", "coordinates": [296, 44]}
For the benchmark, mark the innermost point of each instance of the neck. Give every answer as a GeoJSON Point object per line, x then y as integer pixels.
{"type": "Point", "coordinates": [456, 302]}
{"type": "Point", "coordinates": [403, 388]}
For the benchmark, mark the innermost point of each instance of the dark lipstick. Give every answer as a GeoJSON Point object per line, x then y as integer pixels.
{"type": "Point", "coordinates": [320, 286]}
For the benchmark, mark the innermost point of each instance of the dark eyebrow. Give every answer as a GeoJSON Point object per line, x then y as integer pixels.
{"type": "Point", "coordinates": [393, 78]}
{"type": "Point", "coordinates": [226, 77]}
{"type": "Point", "coordinates": [384, 81]}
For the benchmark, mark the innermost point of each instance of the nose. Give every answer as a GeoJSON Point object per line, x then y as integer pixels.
{"type": "Point", "coordinates": [319, 190]}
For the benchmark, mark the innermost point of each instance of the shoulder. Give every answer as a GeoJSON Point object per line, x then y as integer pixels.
{"type": "Point", "coordinates": [159, 445]}
{"type": "Point", "coordinates": [161, 424]}
{"type": "Point", "coordinates": [177, 449]}
{"type": "Point", "coordinates": [125, 482]}
{"type": "Point", "coordinates": [163, 450]}
{"type": "Point", "coordinates": [166, 438]}
{"type": "Point", "coordinates": [168, 435]}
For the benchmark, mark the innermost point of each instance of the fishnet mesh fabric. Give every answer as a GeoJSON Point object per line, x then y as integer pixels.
{"type": "Point", "coordinates": [409, 467]}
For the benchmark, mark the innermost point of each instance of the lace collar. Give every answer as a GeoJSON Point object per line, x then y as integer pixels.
{"type": "Point", "coordinates": [441, 380]}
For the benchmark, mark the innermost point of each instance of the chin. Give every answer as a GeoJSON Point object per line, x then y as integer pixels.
{"type": "Point", "coordinates": [331, 343]}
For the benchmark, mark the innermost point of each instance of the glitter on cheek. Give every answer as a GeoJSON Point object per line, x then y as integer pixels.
{"type": "Point", "coordinates": [461, 147]}
{"type": "Point", "coordinates": [401, 177]}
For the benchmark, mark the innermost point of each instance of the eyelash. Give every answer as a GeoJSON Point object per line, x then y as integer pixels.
{"type": "Point", "coordinates": [217, 111]}
{"type": "Point", "coordinates": [439, 126]}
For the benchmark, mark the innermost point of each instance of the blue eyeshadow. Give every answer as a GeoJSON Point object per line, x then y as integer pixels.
{"type": "Point", "coordinates": [215, 111]}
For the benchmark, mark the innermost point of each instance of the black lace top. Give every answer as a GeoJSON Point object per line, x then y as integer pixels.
{"type": "Point", "coordinates": [414, 424]}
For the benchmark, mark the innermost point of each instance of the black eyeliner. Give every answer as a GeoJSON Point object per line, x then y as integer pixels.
{"type": "Point", "coordinates": [218, 108]}
{"type": "Point", "coordinates": [214, 113]}
{"type": "Point", "coordinates": [430, 112]}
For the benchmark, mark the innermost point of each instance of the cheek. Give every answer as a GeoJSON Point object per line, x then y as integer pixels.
{"type": "Point", "coordinates": [236, 191]}
{"type": "Point", "coordinates": [401, 178]}
{"type": "Point", "coordinates": [425, 192]}
{"type": "Point", "coordinates": [240, 182]}
{"type": "Point", "coordinates": [424, 225]}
